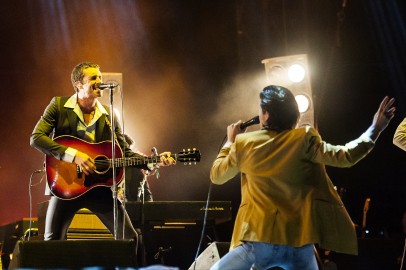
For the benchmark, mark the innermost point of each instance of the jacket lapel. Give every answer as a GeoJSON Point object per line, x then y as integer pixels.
{"type": "Point", "coordinates": [73, 121]}
{"type": "Point", "coordinates": [101, 123]}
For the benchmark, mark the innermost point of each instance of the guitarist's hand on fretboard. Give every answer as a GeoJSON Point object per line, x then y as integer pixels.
{"type": "Point", "coordinates": [85, 162]}
{"type": "Point", "coordinates": [166, 159]}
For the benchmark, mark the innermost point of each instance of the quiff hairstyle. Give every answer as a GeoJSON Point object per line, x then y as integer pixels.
{"type": "Point", "coordinates": [281, 106]}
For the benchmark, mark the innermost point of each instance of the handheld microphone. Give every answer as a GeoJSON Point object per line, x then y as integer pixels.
{"type": "Point", "coordinates": [252, 121]}
{"type": "Point", "coordinates": [103, 86]}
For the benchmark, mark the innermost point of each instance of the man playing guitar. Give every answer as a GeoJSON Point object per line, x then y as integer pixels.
{"type": "Point", "coordinates": [80, 127]}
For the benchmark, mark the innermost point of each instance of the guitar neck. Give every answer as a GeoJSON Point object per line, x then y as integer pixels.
{"type": "Point", "coordinates": [138, 161]}
{"type": "Point", "coordinates": [135, 161]}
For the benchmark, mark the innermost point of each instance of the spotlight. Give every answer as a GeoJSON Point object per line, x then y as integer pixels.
{"type": "Point", "coordinates": [296, 73]}
{"type": "Point", "coordinates": [303, 103]}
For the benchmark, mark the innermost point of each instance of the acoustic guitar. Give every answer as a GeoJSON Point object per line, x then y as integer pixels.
{"type": "Point", "coordinates": [67, 181]}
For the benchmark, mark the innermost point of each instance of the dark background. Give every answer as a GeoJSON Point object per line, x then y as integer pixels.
{"type": "Point", "coordinates": [190, 68]}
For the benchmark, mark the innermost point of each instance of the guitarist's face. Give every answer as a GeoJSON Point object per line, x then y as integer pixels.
{"type": "Point", "coordinates": [88, 88]}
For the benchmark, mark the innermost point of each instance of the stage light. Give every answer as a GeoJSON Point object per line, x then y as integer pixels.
{"type": "Point", "coordinates": [303, 103]}
{"type": "Point", "coordinates": [292, 72]}
{"type": "Point", "coordinates": [296, 73]}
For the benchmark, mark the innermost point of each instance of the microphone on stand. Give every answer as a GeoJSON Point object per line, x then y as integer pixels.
{"type": "Point", "coordinates": [252, 121]}
{"type": "Point", "coordinates": [103, 86]}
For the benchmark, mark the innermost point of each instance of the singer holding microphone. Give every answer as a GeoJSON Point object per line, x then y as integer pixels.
{"type": "Point", "coordinates": [82, 116]}
{"type": "Point", "coordinates": [288, 202]}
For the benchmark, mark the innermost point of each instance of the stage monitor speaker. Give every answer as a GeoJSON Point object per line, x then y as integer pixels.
{"type": "Point", "coordinates": [210, 255]}
{"type": "Point", "coordinates": [71, 254]}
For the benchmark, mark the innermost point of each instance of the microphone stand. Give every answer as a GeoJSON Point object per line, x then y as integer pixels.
{"type": "Point", "coordinates": [113, 161]}
{"type": "Point", "coordinates": [141, 199]}
{"type": "Point", "coordinates": [141, 189]}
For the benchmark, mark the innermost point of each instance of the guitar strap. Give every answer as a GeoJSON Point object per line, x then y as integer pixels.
{"type": "Point", "coordinates": [111, 128]}
{"type": "Point", "coordinates": [115, 137]}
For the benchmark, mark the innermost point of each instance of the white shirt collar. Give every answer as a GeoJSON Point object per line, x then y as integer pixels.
{"type": "Point", "coordinates": [73, 103]}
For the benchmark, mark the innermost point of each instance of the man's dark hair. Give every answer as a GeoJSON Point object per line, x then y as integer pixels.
{"type": "Point", "coordinates": [77, 72]}
{"type": "Point", "coordinates": [281, 106]}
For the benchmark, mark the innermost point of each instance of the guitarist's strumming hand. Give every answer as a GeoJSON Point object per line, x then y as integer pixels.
{"type": "Point", "coordinates": [85, 162]}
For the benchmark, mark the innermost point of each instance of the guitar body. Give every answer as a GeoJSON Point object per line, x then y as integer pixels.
{"type": "Point", "coordinates": [66, 181]}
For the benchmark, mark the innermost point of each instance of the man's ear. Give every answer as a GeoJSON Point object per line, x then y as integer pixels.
{"type": "Point", "coordinates": [78, 84]}
{"type": "Point", "coordinates": [266, 116]}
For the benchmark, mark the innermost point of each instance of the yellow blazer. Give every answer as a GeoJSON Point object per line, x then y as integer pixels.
{"type": "Point", "coordinates": [399, 139]}
{"type": "Point", "coordinates": [287, 196]}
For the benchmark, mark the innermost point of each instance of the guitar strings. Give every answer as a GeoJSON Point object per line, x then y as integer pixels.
{"type": "Point", "coordinates": [141, 160]}
{"type": "Point", "coordinates": [127, 161]}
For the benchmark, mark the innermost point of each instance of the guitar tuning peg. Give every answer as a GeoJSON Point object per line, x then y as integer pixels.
{"type": "Point", "coordinates": [188, 149]}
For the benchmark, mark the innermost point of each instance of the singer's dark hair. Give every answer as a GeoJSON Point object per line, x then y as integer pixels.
{"type": "Point", "coordinates": [281, 106]}
{"type": "Point", "coordinates": [77, 72]}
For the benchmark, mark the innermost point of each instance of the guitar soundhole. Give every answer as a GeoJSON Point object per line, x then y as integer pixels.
{"type": "Point", "coordinates": [102, 164]}
{"type": "Point", "coordinates": [102, 173]}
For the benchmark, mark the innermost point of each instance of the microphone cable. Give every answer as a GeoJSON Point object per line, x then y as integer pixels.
{"type": "Point", "coordinates": [244, 125]}
{"type": "Point", "coordinates": [403, 256]}
{"type": "Point", "coordinates": [30, 185]}
{"type": "Point", "coordinates": [203, 226]}
{"type": "Point", "coordinates": [205, 214]}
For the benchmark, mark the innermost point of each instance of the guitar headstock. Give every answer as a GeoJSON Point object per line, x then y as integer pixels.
{"type": "Point", "coordinates": [188, 156]}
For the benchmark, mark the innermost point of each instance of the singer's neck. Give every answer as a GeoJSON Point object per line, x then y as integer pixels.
{"type": "Point", "coordinates": [87, 105]}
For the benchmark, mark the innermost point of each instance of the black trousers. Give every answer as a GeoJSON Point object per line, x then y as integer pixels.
{"type": "Point", "coordinates": [99, 200]}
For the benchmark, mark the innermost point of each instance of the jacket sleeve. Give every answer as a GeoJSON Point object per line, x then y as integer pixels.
{"type": "Point", "coordinates": [40, 136]}
{"type": "Point", "coordinates": [346, 155]}
{"type": "Point", "coordinates": [399, 139]}
{"type": "Point", "coordinates": [225, 166]}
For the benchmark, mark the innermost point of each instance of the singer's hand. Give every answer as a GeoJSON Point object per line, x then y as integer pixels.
{"type": "Point", "coordinates": [166, 159]}
{"type": "Point", "coordinates": [85, 162]}
{"type": "Point", "coordinates": [233, 130]}
{"type": "Point", "coordinates": [382, 117]}
{"type": "Point", "coordinates": [384, 114]}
